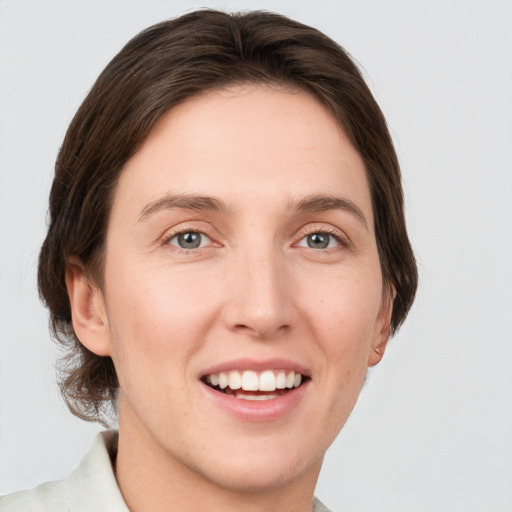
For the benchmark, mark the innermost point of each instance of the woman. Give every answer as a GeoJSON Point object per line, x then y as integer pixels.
{"type": "Point", "coordinates": [226, 256]}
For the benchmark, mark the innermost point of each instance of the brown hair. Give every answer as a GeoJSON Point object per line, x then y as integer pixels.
{"type": "Point", "coordinates": [159, 68]}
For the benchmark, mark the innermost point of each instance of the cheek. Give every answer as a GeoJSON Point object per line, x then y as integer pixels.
{"type": "Point", "coordinates": [343, 315]}
{"type": "Point", "coordinates": [345, 308]}
{"type": "Point", "coordinates": [157, 312]}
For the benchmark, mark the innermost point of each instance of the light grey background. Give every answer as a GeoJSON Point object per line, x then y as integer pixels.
{"type": "Point", "coordinates": [433, 428]}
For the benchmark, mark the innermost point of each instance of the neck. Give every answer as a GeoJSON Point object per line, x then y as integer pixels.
{"type": "Point", "coordinates": [151, 478]}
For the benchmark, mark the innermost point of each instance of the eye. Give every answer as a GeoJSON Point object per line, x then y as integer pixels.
{"type": "Point", "coordinates": [319, 240]}
{"type": "Point", "coordinates": [189, 240]}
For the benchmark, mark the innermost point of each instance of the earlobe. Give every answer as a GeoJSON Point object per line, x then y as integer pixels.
{"type": "Point", "coordinates": [383, 329]}
{"type": "Point", "coordinates": [377, 353]}
{"type": "Point", "coordinates": [88, 312]}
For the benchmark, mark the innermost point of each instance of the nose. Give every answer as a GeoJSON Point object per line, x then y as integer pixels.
{"type": "Point", "coordinates": [259, 302]}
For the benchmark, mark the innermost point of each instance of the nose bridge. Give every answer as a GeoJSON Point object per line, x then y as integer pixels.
{"type": "Point", "coordinates": [259, 301]}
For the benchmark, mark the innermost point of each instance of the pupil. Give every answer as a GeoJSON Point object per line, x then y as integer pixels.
{"type": "Point", "coordinates": [318, 241]}
{"type": "Point", "coordinates": [189, 240]}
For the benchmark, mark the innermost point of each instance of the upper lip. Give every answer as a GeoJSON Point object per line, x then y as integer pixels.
{"type": "Point", "coordinates": [257, 366]}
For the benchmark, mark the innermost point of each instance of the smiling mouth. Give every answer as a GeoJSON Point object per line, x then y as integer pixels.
{"type": "Point", "coordinates": [251, 385]}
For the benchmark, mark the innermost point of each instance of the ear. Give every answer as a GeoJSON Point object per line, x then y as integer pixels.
{"type": "Point", "coordinates": [382, 330]}
{"type": "Point", "coordinates": [88, 311]}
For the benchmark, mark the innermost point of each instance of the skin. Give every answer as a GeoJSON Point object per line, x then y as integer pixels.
{"type": "Point", "coordinates": [254, 289]}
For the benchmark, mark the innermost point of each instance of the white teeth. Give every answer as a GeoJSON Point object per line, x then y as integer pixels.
{"type": "Point", "coordinates": [235, 380]}
{"type": "Point", "coordinates": [281, 380]}
{"type": "Point", "coordinates": [248, 380]}
{"type": "Point", "coordinates": [267, 381]}
{"type": "Point", "coordinates": [255, 397]}
{"type": "Point", "coordinates": [223, 380]}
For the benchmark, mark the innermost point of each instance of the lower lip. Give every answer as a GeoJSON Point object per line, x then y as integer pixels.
{"type": "Point", "coordinates": [258, 410]}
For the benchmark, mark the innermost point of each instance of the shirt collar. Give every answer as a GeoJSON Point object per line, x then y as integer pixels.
{"type": "Point", "coordinates": [93, 485]}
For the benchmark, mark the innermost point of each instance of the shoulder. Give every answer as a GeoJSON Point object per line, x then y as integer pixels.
{"type": "Point", "coordinates": [318, 506]}
{"type": "Point", "coordinates": [45, 497]}
{"type": "Point", "coordinates": [92, 486]}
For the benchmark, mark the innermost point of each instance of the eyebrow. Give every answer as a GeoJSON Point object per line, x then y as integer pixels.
{"type": "Point", "coordinates": [323, 203]}
{"type": "Point", "coordinates": [313, 203]}
{"type": "Point", "coordinates": [182, 202]}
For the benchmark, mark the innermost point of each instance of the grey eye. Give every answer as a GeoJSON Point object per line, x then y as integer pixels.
{"type": "Point", "coordinates": [319, 241]}
{"type": "Point", "coordinates": [189, 240]}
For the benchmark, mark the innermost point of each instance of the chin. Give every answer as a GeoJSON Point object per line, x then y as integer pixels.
{"type": "Point", "coordinates": [246, 476]}
{"type": "Point", "coordinates": [259, 465]}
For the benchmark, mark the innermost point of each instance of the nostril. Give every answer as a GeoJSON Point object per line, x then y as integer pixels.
{"type": "Point", "coordinates": [262, 332]}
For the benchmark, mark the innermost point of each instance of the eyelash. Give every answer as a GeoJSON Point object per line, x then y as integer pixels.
{"type": "Point", "coordinates": [168, 238]}
{"type": "Point", "coordinates": [342, 242]}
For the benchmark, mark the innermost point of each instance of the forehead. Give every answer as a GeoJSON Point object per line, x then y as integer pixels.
{"type": "Point", "coordinates": [246, 141]}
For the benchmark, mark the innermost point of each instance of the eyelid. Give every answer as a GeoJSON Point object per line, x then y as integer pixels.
{"type": "Point", "coordinates": [342, 239]}
{"type": "Point", "coordinates": [181, 228]}
{"type": "Point", "coordinates": [176, 235]}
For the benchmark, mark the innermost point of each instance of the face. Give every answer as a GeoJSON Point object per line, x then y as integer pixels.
{"type": "Point", "coordinates": [241, 254]}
